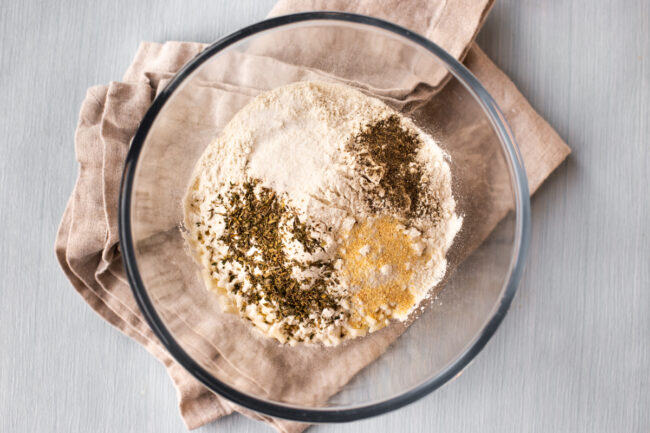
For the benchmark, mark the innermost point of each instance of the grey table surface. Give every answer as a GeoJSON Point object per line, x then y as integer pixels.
{"type": "Point", "coordinates": [573, 355]}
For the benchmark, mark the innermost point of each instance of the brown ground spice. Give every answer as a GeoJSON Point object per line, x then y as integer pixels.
{"type": "Point", "coordinates": [385, 154]}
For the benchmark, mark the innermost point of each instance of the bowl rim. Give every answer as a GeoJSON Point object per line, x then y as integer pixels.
{"type": "Point", "coordinates": [324, 415]}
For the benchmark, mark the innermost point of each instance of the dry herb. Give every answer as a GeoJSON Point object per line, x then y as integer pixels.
{"type": "Point", "coordinates": [385, 153]}
{"type": "Point", "coordinates": [256, 217]}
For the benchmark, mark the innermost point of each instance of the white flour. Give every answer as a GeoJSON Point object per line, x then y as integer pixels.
{"type": "Point", "coordinates": [293, 140]}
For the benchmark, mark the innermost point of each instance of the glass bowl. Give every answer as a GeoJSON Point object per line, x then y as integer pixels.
{"type": "Point", "coordinates": [411, 74]}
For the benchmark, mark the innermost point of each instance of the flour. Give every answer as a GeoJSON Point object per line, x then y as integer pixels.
{"type": "Point", "coordinates": [294, 141]}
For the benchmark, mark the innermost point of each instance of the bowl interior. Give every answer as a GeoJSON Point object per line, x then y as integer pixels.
{"type": "Point", "coordinates": [375, 372]}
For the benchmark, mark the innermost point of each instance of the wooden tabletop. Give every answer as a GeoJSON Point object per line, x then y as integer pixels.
{"type": "Point", "coordinates": [573, 354]}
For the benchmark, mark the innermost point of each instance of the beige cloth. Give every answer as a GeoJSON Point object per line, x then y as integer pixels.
{"type": "Point", "coordinates": [87, 243]}
{"type": "Point", "coordinates": [452, 24]}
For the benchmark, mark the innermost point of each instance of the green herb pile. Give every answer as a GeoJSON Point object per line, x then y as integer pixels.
{"type": "Point", "coordinates": [256, 217]}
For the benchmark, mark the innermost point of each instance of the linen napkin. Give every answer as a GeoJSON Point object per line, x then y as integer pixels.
{"type": "Point", "coordinates": [87, 245]}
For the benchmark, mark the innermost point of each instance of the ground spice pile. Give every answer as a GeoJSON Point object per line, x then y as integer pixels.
{"type": "Point", "coordinates": [385, 153]}
{"type": "Point", "coordinates": [379, 260]}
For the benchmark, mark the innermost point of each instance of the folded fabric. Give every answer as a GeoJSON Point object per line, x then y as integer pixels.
{"type": "Point", "coordinates": [87, 243]}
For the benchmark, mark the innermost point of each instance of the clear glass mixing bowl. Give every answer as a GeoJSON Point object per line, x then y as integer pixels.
{"type": "Point", "coordinates": [420, 80]}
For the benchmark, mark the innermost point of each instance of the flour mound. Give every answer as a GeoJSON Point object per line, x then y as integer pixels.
{"type": "Point", "coordinates": [294, 143]}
